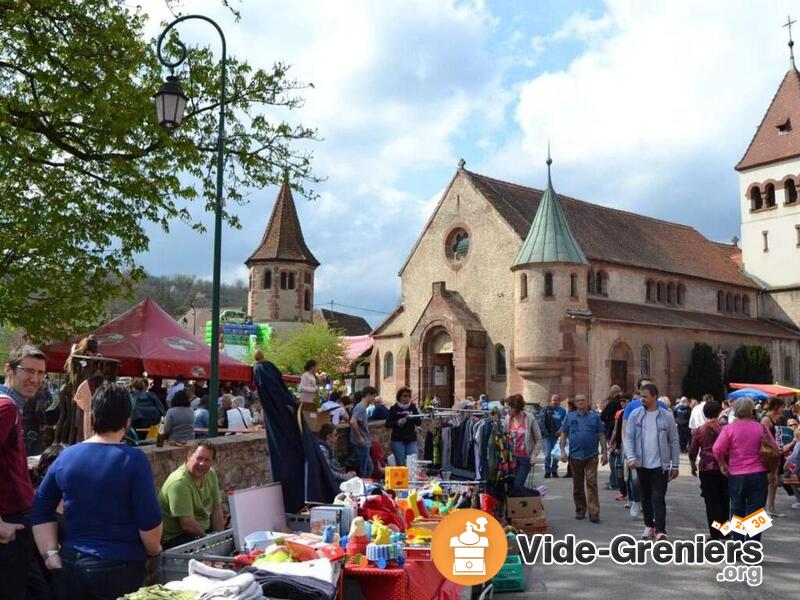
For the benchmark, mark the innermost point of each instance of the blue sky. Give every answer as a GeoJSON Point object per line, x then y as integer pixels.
{"type": "Point", "coordinates": [648, 106]}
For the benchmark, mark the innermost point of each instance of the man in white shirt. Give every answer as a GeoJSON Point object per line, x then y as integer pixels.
{"type": "Point", "coordinates": [180, 384]}
{"type": "Point", "coordinates": [334, 407]}
{"type": "Point", "coordinates": [698, 418]}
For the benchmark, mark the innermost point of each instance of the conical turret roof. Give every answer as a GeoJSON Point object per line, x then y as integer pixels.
{"type": "Point", "coordinates": [283, 237]}
{"type": "Point", "coordinates": [550, 239]}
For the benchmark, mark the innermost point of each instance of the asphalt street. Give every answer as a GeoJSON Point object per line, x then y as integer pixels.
{"type": "Point", "coordinates": [685, 518]}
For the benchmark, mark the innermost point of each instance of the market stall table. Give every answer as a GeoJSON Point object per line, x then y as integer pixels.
{"type": "Point", "coordinates": [417, 580]}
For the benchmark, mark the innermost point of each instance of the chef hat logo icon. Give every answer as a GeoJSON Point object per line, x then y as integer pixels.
{"type": "Point", "coordinates": [469, 547]}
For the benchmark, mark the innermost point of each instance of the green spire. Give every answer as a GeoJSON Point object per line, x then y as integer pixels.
{"type": "Point", "coordinates": [550, 239]}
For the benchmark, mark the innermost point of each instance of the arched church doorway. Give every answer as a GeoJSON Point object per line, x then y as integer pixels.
{"type": "Point", "coordinates": [438, 367]}
{"type": "Point", "coordinates": [621, 361]}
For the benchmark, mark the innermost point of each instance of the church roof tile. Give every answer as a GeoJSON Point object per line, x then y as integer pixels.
{"type": "Point", "coordinates": [283, 237]}
{"type": "Point", "coordinates": [778, 136]}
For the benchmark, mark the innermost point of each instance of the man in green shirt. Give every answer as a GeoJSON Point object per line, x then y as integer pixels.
{"type": "Point", "coordinates": [190, 499]}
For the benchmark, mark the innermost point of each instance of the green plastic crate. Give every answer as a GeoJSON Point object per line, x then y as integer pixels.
{"type": "Point", "coordinates": [511, 577]}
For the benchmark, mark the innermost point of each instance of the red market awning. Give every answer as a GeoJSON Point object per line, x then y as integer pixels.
{"type": "Point", "coordinates": [775, 390]}
{"type": "Point", "coordinates": [145, 339]}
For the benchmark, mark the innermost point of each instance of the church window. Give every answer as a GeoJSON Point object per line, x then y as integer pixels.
{"type": "Point", "coordinates": [602, 283]}
{"type": "Point", "coordinates": [523, 286]}
{"type": "Point", "coordinates": [267, 280]}
{"type": "Point", "coordinates": [307, 278]}
{"type": "Point", "coordinates": [770, 193]}
{"type": "Point", "coordinates": [499, 361]}
{"type": "Point", "coordinates": [590, 282]}
{"type": "Point", "coordinates": [573, 285]}
{"type": "Point", "coordinates": [671, 293]}
{"type": "Point", "coordinates": [737, 304]}
{"type": "Point", "coordinates": [548, 285]}
{"type": "Point", "coordinates": [660, 291]}
{"type": "Point", "coordinates": [457, 246]}
{"type": "Point", "coordinates": [790, 191]}
{"type": "Point", "coordinates": [388, 366]}
{"type": "Point", "coordinates": [746, 305]}
{"type": "Point", "coordinates": [728, 302]}
{"type": "Point", "coordinates": [720, 301]}
{"type": "Point", "coordinates": [650, 290]}
{"type": "Point", "coordinates": [756, 202]}
{"type": "Point", "coordinates": [788, 376]}
{"type": "Point", "coordinates": [765, 236]}
{"type": "Point", "coordinates": [785, 127]}
{"type": "Point", "coordinates": [287, 280]}
{"type": "Point", "coordinates": [645, 361]}
{"type": "Point", "coordinates": [307, 299]}
{"type": "Point", "coordinates": [681, 294]}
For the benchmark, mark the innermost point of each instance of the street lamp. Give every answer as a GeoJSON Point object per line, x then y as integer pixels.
{"type": "Point", "coordinates": [170, 104]}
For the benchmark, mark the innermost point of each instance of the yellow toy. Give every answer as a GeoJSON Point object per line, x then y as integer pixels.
{"type": "Point", "coordinates": [396, 478]}
{"type": "Point", "coordinates": [381, 534]}
{"type": "Point", "coordinates": [418, 535]}
{"type": "Point", "coordinates": [412, 504]}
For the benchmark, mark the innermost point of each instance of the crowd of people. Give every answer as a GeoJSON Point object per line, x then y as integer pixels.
{"type": "Point", "coordinates": [95, 517]}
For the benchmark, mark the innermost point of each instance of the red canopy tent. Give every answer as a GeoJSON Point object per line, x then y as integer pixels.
{"type": "Point", "coordinates": [775, 390]}
{"type": "Point", "coordinates": [146, 339]}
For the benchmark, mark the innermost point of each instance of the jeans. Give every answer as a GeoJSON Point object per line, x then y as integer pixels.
{"type": "Point", "coordinates": [653, 486]}
{"type": "Point", "coordinates": [21, 573]}
{"type": "Point", "coordinates": [550, 462]}
{"type": "Point", "coordinates": [748, 493]}
{"type": "Point", "coordinates": [521, 473]}
{"type": "Point", "coordinates": [365, 465]}
{"type": "Point", "coordinates": [402, 450]}
{"type": "Point", "coordinates": [90, 578]}
{"type": "Point", "coordinates": [584, 483]}
{"type": "Point", "coordinates": [612, 473]}
{"type": "Point", "coordinates": [632, 484]}
{"type": "Point", "coordinates": [714, 489]}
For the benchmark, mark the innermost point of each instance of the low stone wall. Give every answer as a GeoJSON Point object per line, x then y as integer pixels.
{"type": "Point", "coordinates": [379, 432]}
{"type": "Point", "coordinates": [242, 461]}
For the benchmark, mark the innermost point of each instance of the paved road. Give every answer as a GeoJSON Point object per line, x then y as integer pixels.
{"type": "Point", "coordinates": [685, 518]}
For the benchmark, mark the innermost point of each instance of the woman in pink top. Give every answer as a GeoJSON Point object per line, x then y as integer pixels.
{"type": "Point", "coordinates": [737, 452]}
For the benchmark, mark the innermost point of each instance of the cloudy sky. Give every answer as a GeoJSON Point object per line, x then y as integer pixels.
{"type": "Point", "coordinates": [648, 106]}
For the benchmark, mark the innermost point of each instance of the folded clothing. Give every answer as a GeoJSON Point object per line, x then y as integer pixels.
{"type": "Point", "coordinates": [159, 592]}
{"type": "Point", "coordinates": [241, 587]}
{"type": "Point", "coordinates": [320, 568]}
{"type": "Point", "coordinates": [292, 587]}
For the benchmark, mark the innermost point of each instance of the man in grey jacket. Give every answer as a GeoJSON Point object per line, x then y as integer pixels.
{"type": "Point", "coordinates": [652, 448]}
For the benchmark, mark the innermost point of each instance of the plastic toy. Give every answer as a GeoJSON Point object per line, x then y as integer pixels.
{"type": "Point", "coordinates": [357, 540]}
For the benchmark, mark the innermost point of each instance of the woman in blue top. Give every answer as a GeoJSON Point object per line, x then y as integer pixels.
{"type": "Point", "coordinates": [112, 521]}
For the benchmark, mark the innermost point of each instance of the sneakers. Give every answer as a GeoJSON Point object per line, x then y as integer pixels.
{"type": "Point", "coordinates": [627, 505]}
{"type": "Point", "coordinates": [796, 506]}
{"type": "Point", "coordinates": [636, 509]}
{"type": "Point", "coordinates": [547, 475]}
{"type": "Point", "coordinates": [579, 516]}
{"type": "Point", "coordinates": [594, 518]}
{"type": "Point", "coordinates": [608, 486]}
{"type": "Point", "coordinates": [660, 536]}
{"type": "Point", "coordinates": [647, 534]}
{"type": "Point", "coordinates": [776, 515]}
{"type": "Point", "coordinates": [554, 475]}
{"type": "Point", "coordinates": [621, 498]}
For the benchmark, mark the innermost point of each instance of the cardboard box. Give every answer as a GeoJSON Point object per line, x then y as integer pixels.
{"type": "Point", "coordinates": [531, 525]}
{"type": "Point", "coordinates": [316, 419]}
{"type": "Point", "coordinates": [526, 507]}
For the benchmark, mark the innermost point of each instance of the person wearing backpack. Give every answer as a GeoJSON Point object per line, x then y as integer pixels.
{"type": "Point", "coordinates": [551, 419]}
{"type": "Point", "coordinates": [146, 408]}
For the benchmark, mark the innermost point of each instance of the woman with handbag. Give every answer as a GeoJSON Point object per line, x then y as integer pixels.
{"type": "Point", "coordinates": [771, 420]}
{"type": "Point", "coordinates": [748, 455]}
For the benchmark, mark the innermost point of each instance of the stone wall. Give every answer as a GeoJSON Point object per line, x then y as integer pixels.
{"type": "Point", "coordinates": [242, 461]}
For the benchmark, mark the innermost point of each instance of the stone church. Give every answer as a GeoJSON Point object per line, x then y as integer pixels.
{"type": "Point", "coordinates": [510, 289]}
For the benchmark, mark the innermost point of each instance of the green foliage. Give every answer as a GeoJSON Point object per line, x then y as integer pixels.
{"type": "Point", "coordinates": [177, 294]}
{"type": "Point", "coordinates": [290, 351]}
{"type": "Point", "coordinates": [86, 167]}
{"type": "Point", "coordinates": [704, 374]}
{"type": "Point", "coordinates": [750, 364]}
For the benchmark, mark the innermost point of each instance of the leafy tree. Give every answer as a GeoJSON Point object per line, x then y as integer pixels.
{"type": "Point", "coordinates": [704, 374]}
{"type": "Point", "coordinates": [750, 364]}
{"type": "Point", "coordinates": [86, 167]}
{"type": "Point", "coordinates": [290, 351]}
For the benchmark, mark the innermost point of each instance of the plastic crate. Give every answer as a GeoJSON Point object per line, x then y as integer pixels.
{"type": "Point", "coordinates": [511, 577]}
{"type": "Point", "coordinates": [216, 550]}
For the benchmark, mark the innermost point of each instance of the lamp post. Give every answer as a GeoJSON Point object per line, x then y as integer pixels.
{"type": "Point", "coordinates": [170, 104]}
